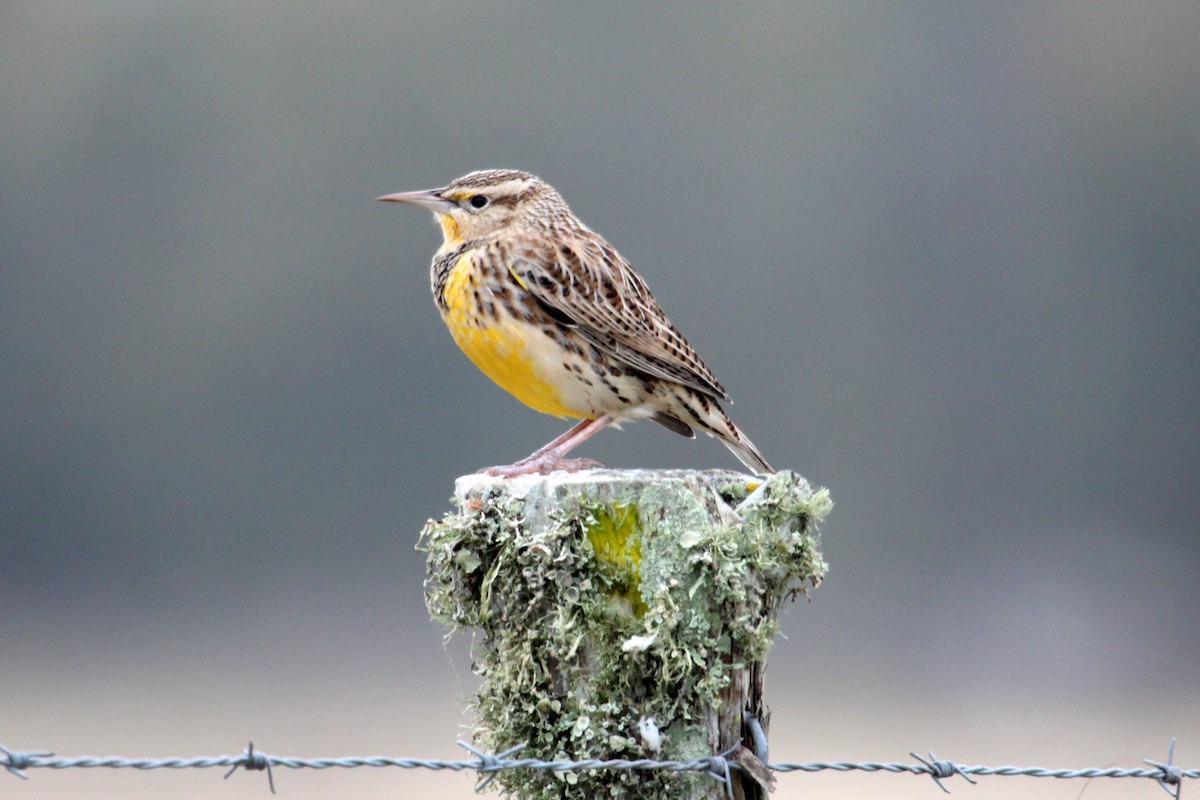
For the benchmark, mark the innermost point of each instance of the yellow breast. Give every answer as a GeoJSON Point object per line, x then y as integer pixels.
{"type": "Point", "coordinates": [512, 352]}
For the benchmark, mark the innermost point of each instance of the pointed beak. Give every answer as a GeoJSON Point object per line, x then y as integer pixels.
{"type": "Point", "coordinates": [430, 199]}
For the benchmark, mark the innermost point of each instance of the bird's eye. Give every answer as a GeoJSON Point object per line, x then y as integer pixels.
{"type": "Point", "coordinates": [478, 201]}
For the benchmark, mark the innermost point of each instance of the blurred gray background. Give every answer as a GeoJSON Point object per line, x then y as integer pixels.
{"type": "Point", "coordinates": [944, 256]}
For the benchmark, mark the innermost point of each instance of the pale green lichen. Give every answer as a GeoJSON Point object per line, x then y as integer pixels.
{"type": "Point", "coordinates": [691, 575]}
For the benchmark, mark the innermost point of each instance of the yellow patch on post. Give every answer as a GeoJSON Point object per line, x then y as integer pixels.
{"type": "Point", "coordinates": [615, 534]}
{"type": "Point", "coordinates": [501, 346]}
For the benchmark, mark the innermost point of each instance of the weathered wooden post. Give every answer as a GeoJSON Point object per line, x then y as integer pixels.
{"type": "Point", "coordinates": [622, 615]}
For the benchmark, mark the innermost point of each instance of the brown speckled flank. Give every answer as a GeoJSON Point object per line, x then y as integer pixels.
{"type": "Point", "coordinates": [551, 311]}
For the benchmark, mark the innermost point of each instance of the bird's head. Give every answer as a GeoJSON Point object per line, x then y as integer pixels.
{"type": "Point", "coordinates": [480, 203]}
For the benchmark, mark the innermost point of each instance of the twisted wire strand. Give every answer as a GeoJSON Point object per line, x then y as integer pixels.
{"type": "Point", "coordinates": [1169, 776]}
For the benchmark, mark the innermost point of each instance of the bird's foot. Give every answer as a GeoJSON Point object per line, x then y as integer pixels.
{"type": "Point", "coordinates": [542, 464]}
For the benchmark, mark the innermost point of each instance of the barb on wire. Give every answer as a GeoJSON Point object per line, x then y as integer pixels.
{"type": "Point", "coordinates": [942, 769]}
{"type": "Point", "coordinates": [718, 767]}
{"type": "Point", "coordinates": [258, 762]}
{"type": "Point", "coordinates": [16, 761]}
{"type": "Point", "coordinates": [489, 763]}
{"type": "Point", "coordinates": [1171, 774]}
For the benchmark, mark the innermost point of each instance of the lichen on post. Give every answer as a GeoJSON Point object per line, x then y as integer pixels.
{"type": "Point", "coordinates": [622, 615]}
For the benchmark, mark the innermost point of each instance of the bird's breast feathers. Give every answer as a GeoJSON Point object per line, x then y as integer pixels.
{"type": "Point", "coordinates": [515, 353]}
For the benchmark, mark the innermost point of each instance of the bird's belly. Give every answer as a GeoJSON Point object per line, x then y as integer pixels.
{"type": "Point", "coordinates": [506, 353]}
{"type": "Point", "coordinates": [514, 353]}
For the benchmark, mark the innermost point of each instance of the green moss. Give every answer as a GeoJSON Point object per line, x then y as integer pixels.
{"type": "Point", "coordinates": [608, 601]}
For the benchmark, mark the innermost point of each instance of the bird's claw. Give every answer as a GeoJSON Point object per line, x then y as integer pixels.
{"type": "Point", "coordinates": [541, 465]}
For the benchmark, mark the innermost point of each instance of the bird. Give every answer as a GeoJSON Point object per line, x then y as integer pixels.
{"type": "Point", "coordinates": [551, 312]}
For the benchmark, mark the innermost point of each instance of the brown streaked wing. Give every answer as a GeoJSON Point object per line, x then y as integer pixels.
{"type": "Point", "coordinates": [586, 281]}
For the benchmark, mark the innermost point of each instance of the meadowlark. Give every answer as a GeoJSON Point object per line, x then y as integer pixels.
{"type": "Point", "coordinates": [550, 311]}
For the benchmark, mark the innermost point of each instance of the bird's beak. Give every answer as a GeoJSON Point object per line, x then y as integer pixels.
{"type": "Point", "coordinates": [430, 198]}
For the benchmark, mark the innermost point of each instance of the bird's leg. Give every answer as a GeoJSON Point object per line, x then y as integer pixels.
{"type": "Point", "coordinates": [555, 442]}
{"type": "Point", "coordinates": [549, 457]}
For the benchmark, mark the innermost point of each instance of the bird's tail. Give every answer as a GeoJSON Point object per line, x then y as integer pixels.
{"type": "Point", "coordinates": [703, 412]}
{"type": "Point", "coordinates": [744, 449]}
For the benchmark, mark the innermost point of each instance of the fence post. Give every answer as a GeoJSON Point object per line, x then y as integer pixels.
{"type": "Point", "coordinates": [623, 615]}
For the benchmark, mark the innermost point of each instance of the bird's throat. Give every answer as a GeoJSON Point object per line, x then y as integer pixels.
{"type": "Point", "coordinates": [450, 230]}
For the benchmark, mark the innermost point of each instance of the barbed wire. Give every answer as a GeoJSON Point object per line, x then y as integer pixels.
{"type": "Point", "coordinates": [719, 767]}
